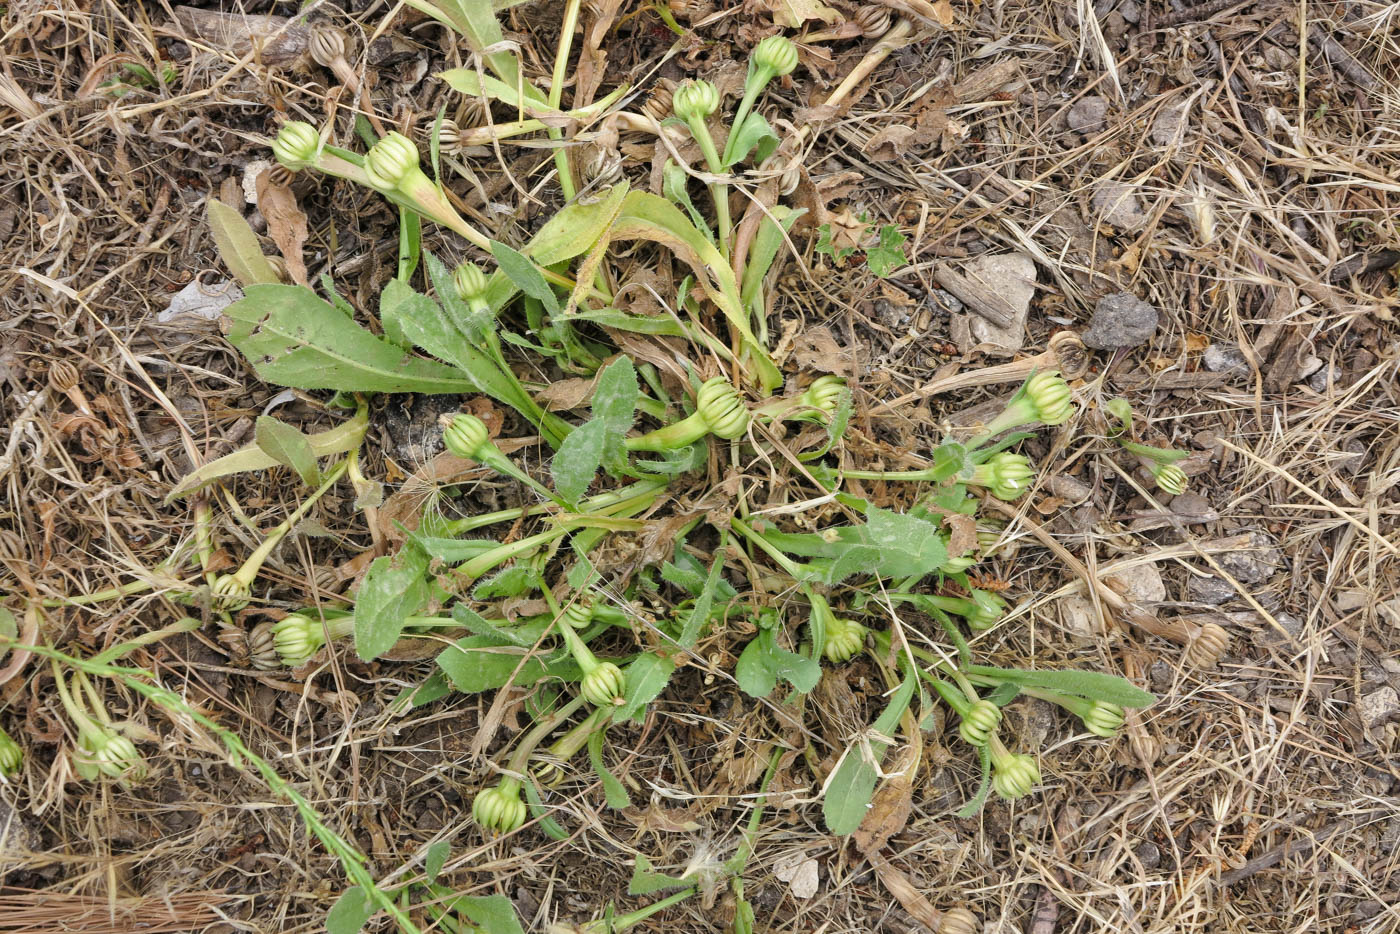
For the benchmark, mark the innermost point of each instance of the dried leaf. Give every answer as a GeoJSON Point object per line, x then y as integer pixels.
{"type": "Point", "coordinates": [801, 873]}
{"type": "Point", "coordinates": [286, 224]}
{"type": "Point", "coordinates": [889, 808]}
{"type": "Point", "coordinates": [962, 533]}
{"type": "Point", "coordinates": [793, 13]}
{"type": "Point", "coordinates": [658, 819]}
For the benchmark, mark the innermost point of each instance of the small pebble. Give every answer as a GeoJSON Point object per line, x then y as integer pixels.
{"type": "Point", "coordinates": [1086, 116]}
{"type": "Point", "coordinates": [1210, 590]}
{"type": "Point", "coordinates": [1120, 320]}
{"type": "Point", "coordinates": [1224, 358]}
{"type": "Point", "coordinates": [1379, 706]}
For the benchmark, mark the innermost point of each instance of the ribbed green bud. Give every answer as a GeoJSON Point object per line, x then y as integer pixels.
{"type": "Point", "coordinates": [1050, 396]}
{"type": "Point", "coordinates": [579, 613]}
{"type": "Point", "coordinates": [824, 394]}
{"type": "Point", "coordinates": [604, 686]}
{"type": "Point", "coordinates": [466, 437]}
{"type": "Point", "coordinates": [390, 160]}
{"type": "Point", "coordinates": [296, 145]}
{"type": "Point", "coordinates": [776, 55]}
{"type": "Point", "coordinates": [230, 594]}
{"type": "Point", "coordinates": [1013, 776]}
{"type": "Point", "coordinates": [695, 100]}
{"type": "Point", "coordinates": [959, 564]}
{"type": "Point", "coordinates": [1170, 478]}
{"type": "Point", "coordinates": [979, 723]}
{"type": "Point", "coordinates": [101, 751]}
{"type": "Point", "coordinates": [297, 638]}
{"type": "Point", "coordinates": [11, 758]}
{"type": "Point", "coordinates": [470, 282]}
{"type": "Point", "coordinates": [989, 610]}
{"type": "Point", "coordinates": [723, 410]}
{"type": "Point", "coordinates": [499, 810]}
{"type": "Point", "coordinates": [1103, 719]}
{"type": "Point", "coordinates": [1005, 475]}
{"type": "Point", "coordinates": [844, 639]}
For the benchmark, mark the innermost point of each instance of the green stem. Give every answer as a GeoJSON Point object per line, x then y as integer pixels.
{"type": "Point", "coordinates": [623, 922]}
{"type": "Point", "coordinates": [76, 712]}
{"type": "Point", "coordinates": [671, 437]}
{"type": "Point", "coordinates": [249, 571]}
{"type": "Point", "coordinates": [568, 745]}
{"type": "Point", "coordinates": [587, 661]}
{"type": "Point", "coordinates": [596, 504]}
{"type": "Point", "coordinates": [740, 115]}
{"type": "Point", "coordinates": [719, 191]}
{"type": "Point", "coordinates": [786, 563]}
{"type": "Point", "coordinates": [520, 757]}
{"type": "Point", "coordinates": [188, 624]}
{"type": "Point", "coordinates": [556, 94]}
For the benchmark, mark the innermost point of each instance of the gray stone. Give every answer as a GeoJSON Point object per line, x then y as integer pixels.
{"type": "Point", "coordinates": [1011, 276]}
{"type": "Point", "coordinates": [1255, 564]}
{"type": "Point", "coordinates": [1225, 358]}
{"type": "Point", "coordinates": [1118, 205]}
{"type": "Point", "coordinates": [1086, 116]}
{"type": "Point", "coordinates": [1168, 124]}
{"type": "Point", "coordinates": [1379, 706]}
{"type": "Point", "coordinates": [1120, 320]}
{"type": "Point", "coordinates": [1211, 590]}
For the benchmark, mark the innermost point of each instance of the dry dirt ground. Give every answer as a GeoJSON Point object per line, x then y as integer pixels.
{"type": "Point", "coordinates": [1231, 164]}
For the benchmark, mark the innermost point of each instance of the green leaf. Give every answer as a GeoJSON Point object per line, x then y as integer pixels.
{"type": "Point", "coordinates": [341, 439]}
{"type": "Point", "coordinates": [523, 636]}
{"type": "Point", "coordinates": [393, 590]}
{"type": "Point", "coordinates": [1095, 685]}
{"type": "Point", "coordinates": [511, 582]}
{"type": "Point", "coordinates": [452, 550]}
{"type": "Point", "coordinates": [436, 856]}
{"type": "Point", "coordinates": [475, 21]}
{"type": "Point", "coordinates": [485, 914]}
{"type": "Point", "coordinates": [615, 405]}
{"type": "Point", "coordinates": [701, 612]}
{"type": "Point", "coordinates": [433, 688]}
{"type": "Point", "coordinates": [350, 912]}
{"type": "Point", "coordinates": [763, 663]}
{"type": "Point", "coordinates": [288, 446]}
{"type": "Point", "coordinates": [646, 881]}
{"type": "Point", "coordinates": [481, 663]}
{"type": "Point", "coordinates": [754, 134]}
{"type": "Point", "coordinates": [613, 791]}
{"type": "Point", "coordinates": [293, 338]}
{"type": "Point", "coordinates": [766, 244]}
{"type": "Point", "coordinates": [577, 461]}
{"type": "Point", "coordinates": [238, 246]}
{"type": "Point", "coordinates": [647, 677]}
{"type": "Point", "coordinates": [575, 228]}
{"type": "Point", "coordinates": [889, 254]}
{"type": "Point", "coordinates": [9, 627]}
{"type": "Point", "coordinates": [675, 182]}
{"type": "Point", "coordinates": [984, 760]}
{"type": "Point", "coordinates": [849, 792]}
{"type": "Point", "coordinates": [889, 543]}
{"type": "Point", "coordinates": [541, 814]}
{"type": "Point", "coordinates": [637, 324]}
{"type": "Point", "coordinates": [525, 274]}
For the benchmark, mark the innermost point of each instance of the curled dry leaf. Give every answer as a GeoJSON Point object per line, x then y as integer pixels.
{"type": "Point", "coordinates": [285, 223]}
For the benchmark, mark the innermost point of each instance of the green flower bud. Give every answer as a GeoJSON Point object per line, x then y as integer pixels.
{"type": "Point", "coordinates": [230, 594]}
{"type": "Point", "coordinates": [1005, 475]}
{"type": "Point", "coordinates": [297, 145]}
{"type": "Point", "coordinates": [604, 686]}
{"type": "Point", "coordinates": [824, 394]}
{"type": "Point", "coordinates": [695, 100]}
{"type": "Point", "coordinates": [1014, 775]}
{"type": "Point", "coordinates": [1170, 478]}
{"type": "Point", "coordinates": [466, 437]}
{"type": "Point", "coordinates": [979, 723]}
{"type": "Point", "coordinates": [988, 611]}
{"type": "Point", "coordinates": [470, 282]}
{"type": "Point", "coordinates": [499, 809]}
{"type": "Point", "coordinates": [390, 160]}
{"type": "Point", "coordinates": [844, 639]}
{"type": "Point", "coordinates": [103, 752]}
{"type": "Point", "coordinates": [11, 758]}
{"type": "Point", "coordinates": [1102, 719]}
{"type": "Point", "coordinates": [547, 772]}
{"type": "Point", "coordinates": [1050, 395]}
{"type": "Point", "coordinates": [776, 55]}
{"type": "Point", "coordinates": [579, 613]}
{"type": "Point", "coordinates": [959, 564]}
{"type": "Point", "coordinates": [297, 638]}
{"type": "Point", "coordinates": [722, 409]}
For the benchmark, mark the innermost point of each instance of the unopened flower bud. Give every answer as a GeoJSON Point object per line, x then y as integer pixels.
{"type": "Point", "coordinates": [695, 100]}
{"type": "Point", "coordinates": [390, 160]}
{"type": "Point", "coordinates": [296, 146]}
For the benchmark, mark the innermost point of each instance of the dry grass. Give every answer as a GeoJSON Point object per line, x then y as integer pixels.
{"type": "Point", "coordinates": [1252, 798]}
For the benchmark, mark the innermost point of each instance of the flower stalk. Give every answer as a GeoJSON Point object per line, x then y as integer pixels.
{"type": "Point", "coordinates": [719, 410]}
{"type": "Point", "coordinates": [465, 436]}
{"type": "Point", "coordinates": [232, 592]}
